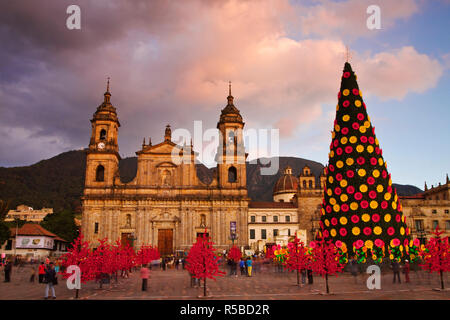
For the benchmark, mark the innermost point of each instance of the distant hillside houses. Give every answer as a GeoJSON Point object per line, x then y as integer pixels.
{"type": "Point", "coordinates": [24, 212]}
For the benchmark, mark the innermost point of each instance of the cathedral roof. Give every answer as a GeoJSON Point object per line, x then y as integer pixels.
{"type": "Point", "coordinates": [287, 183]}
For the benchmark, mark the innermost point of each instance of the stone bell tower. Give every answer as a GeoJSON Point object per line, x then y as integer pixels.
{"type": "Point", "coordinates": [102, 162]}
{"type": "Point", "coordinates": [231, 156]}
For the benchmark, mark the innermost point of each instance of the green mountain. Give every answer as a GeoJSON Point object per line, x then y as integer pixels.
{"type": "Point", "coordinates": [58, 182]}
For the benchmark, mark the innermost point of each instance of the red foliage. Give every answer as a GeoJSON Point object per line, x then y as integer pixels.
{"type": "Point", "coordinates": [270, 252]}
{"type": "Point", "coordinates": [202, 262]}
{"type": "Point", "coordinates": [234, 254]}
{"type": "Point", "coordinates": [325, 258]}
{"type": "Point", "coordinates": [147, 254]}
{"type": "Point", "coordinates": [297, 258]}
{"type": "Point", "coordinates": [80, 255]}
{"type": "Point", "coordinates": [436, 255]}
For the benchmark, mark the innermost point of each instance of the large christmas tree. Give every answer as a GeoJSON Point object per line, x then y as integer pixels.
{"type": "Point", "coordinates": [361, 211]}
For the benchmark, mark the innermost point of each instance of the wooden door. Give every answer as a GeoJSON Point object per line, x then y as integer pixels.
{"type": "Point", "coordinates": [165, 241]}
{"type": "Point", "coordinates": [126, 239]}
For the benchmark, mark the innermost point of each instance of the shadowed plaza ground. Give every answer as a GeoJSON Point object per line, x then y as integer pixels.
{"type": "Point", "coordinates": [266, 285]}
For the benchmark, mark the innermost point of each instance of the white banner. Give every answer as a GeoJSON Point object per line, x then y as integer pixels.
{"type": "Point", "coordinates": [34, 242]}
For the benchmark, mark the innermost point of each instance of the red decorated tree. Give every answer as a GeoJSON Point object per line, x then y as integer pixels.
{"type": "Point", "coordinates": [202, 262]}
{"type": "Point", "coordinates": [80, 254]}
{"type": "Point", "coordinates": [104, 260]}
{"type": "Point", "coordinates": [436, 255]}
{"type": "Point", "coordinates": [127, 258]}
{"type": "Point", "coordinates": [360, 206]}
{"type": "Point", "coordinates": [297, 257]}
{"type": "Point", "coordinates": [325, 259]}
{"type": "Point", "coordinates": [147, 254]}
{"type": "Point", "coordinates": [234, 254]}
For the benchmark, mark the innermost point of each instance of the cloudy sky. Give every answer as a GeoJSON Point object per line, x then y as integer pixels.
{"type": "Point", "coordinates": [170, 63]}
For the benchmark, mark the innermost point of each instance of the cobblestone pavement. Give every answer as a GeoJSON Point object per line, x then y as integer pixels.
{"type": "Point", "coordinates": [266, 285]}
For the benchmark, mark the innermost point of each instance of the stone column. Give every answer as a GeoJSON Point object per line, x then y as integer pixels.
{"type": "Point", "coordinates": [213, 223]}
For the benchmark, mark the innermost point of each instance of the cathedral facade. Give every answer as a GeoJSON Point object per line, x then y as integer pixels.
{"type": "Point", "coordinates": [165, 205]}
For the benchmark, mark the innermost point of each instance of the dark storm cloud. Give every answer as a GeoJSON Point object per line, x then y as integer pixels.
{"type": "Point", "coordinates": [48, 72]}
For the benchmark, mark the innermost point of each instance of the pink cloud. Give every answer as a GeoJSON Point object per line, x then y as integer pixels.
{"type": "Point", "coordinates": [392, 75]}
{"type": "Point", "coordinates": [348, 18]}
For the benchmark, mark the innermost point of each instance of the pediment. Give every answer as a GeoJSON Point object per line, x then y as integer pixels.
{"type": "Point", "coordinates": [166, 147]}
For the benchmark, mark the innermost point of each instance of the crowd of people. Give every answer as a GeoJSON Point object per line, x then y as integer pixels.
{"type": "Point", "coordinates": [47, 271]}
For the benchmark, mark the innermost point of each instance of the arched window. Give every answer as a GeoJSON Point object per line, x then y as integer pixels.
{"type": "Point", "coordinates": [304, 184]}
{"type": "Point", "coordinates": [103, 134]}
{"type": "Point", "coordinates": [310, 184]}
{"type": "Point", "coordinates": [232, 174]}
{"type": "Point", "coordinates": [231, 136]}
{"type": "Point", "coordinates": [100, 173]}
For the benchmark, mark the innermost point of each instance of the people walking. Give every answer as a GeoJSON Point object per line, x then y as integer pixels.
{"type": "Point", "coordinates": [396, 269]}
{"type": "Point", "coordinates": [230, 265]}
{"type": "Point", "coordinates": [242, 266]}
{"type": "Point", "coordinates": [249, 266]}
{"type": "Point", "coordinates": [50, 280]}
{"type": "Point", "coordinates": [145, 273]}
{"type": "Point", "coordinates": [41, 272]}
{"type": "Point", "coordinates": [7, 269]}
{"type": "Point", "coordinates": [310, 276]}
{"type": "Point", "coordinates": [303, 272]}
{"type": "Point", "coordinates": [406, 269]}
{"type": "Point", "coordinates": [33, 274]}
{"type": "Point", "coordinates": [354, 269]}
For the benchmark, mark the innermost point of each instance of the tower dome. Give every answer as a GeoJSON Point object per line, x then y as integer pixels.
{"type": "Point", "coordinates": [286, 186]}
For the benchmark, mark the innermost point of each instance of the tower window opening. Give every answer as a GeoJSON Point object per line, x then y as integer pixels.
{"type": "Point", "coordinates": [232, 174]}
{"type": "Point", "coordinates": [100, 173]}
{"type": "Point", "coordinates": [103, 134]}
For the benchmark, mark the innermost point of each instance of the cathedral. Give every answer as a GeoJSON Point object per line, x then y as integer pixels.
{"type": "Point", "coordinates": [165, 205]}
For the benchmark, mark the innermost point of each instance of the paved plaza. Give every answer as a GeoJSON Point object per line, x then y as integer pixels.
{"type": "Point", "coordinates": [267, 285]}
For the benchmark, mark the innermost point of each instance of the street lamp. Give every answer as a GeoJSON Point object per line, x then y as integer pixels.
{"type": "Point", "coordinates": [132, 238]}
{"type": "Point", "coordinates": [15, 241]}
{"type": "Point", "coordinates": [232, 237]}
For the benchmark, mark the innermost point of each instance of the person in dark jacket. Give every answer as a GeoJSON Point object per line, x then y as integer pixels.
{"type": "Point", "coordinates": [50, 280]}
{"type": "Point", "coordinates": [310, 276]}
{"type": "Point", "coordinates": [7, 269]}
{"type": "Point", "coordinates": [396, 269]}
{"type": "Point", "coordinates": [354, 269]}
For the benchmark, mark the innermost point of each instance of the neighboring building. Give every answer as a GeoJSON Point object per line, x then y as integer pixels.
{"type": "Point", "coordinates": [165, 204]}
{"type": "Point", "coordinates": [271, 223]}
{"type": "Point", "coordinates": [33, 241]}
{"type": "Point", "coordinates": [427, 210]}
{"type": "Point", "coordinates": [295, 210]}
{"type": "Point", "coordinates": [27, 213]}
